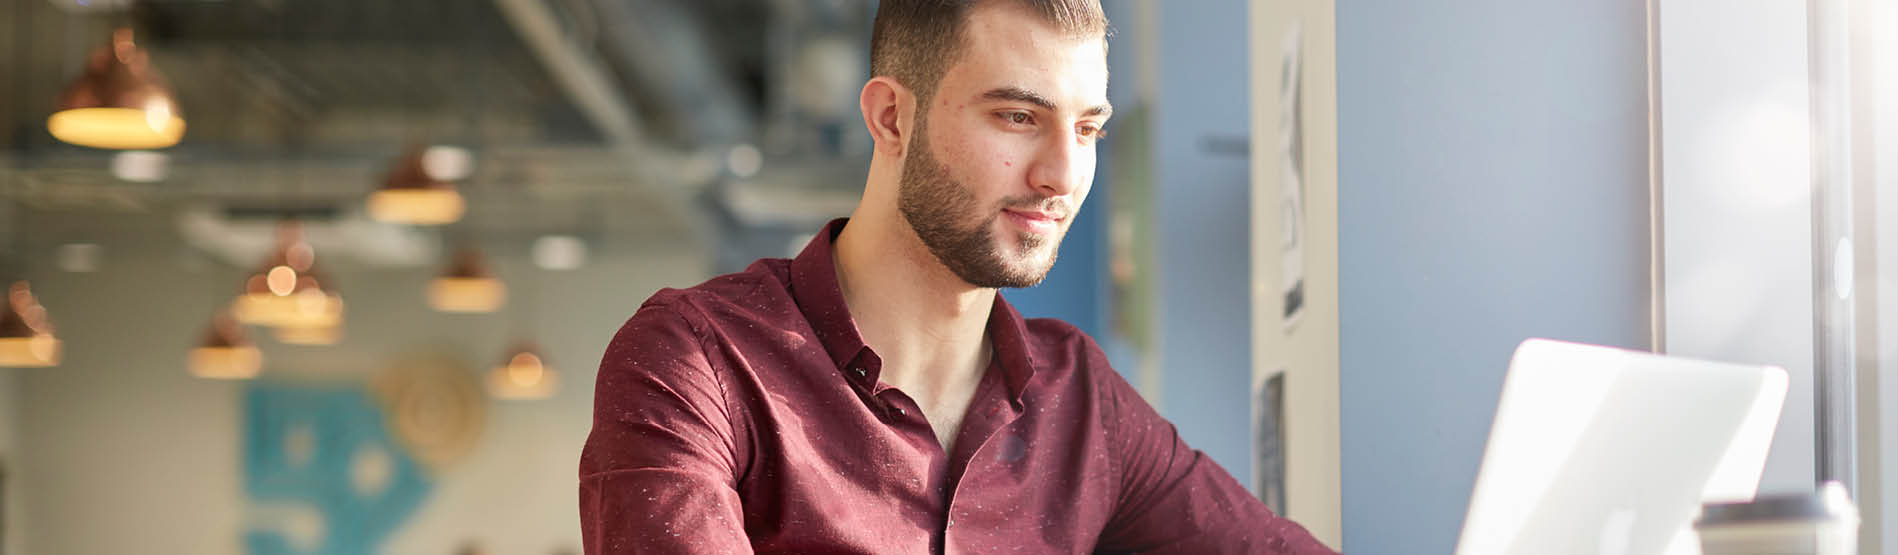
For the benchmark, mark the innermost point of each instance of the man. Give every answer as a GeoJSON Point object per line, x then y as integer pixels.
{"type": "Point", "coordinates": [875, 394]}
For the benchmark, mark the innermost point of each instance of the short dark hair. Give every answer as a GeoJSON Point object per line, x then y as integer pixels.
{"type": "Point", "coordinates": [915, 41]}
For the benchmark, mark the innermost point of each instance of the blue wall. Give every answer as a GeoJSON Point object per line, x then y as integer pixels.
{"type": "Point", "coordinates": [1492, 187]}
{"type": "Point", "coordinates": [1202, 176]}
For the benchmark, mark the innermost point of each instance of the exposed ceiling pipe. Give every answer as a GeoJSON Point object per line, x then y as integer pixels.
{"type": "Point", "coordinates": [591, 87]}
{"type": "Point", "coordinates": [669, 56]}
{"type": "Point", "coordinates": [580, 75]}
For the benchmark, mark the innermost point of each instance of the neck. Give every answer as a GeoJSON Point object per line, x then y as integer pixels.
{"type": "Point", "coordinates": [927, 324]}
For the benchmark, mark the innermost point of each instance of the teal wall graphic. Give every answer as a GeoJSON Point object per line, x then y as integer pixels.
{"type": "Point", "coordinates": [322, 473]}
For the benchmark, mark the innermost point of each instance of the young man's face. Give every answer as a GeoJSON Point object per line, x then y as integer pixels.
{"type": "Point", "coordinates": [1004, 152]}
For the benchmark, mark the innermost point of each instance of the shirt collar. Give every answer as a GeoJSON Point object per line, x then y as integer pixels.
{"type": "Point", "coordinates": [1009, 335]}
{"type": "Point", "coordinates": [815, 288]}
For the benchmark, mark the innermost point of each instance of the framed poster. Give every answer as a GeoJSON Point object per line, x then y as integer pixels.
{"type": "Point", "coordinates": [1268, 445]}
{"type": "Point", "coordinates": [1291, 181]}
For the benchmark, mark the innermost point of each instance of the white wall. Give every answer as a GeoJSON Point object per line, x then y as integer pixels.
{"type": "Point", "coordinates": [1885, 208]}
{"type": "Point", "coordinates": [1737, 213]}
{"type": "Point", "coordinates": [1886, 239]}
{"type": "Point", "coordinates": [129, 454]}
{"type": "Point", "coordinates": [1308, 352]}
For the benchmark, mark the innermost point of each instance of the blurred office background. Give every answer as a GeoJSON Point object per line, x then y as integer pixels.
{"type": "Point", "coordinates": [348, 291]}
{"type": "Point", "coordinates": [359, 304]}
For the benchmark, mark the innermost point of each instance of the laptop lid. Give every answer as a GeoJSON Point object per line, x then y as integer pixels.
{"type": "Point", "coordinates": [1596, 450]}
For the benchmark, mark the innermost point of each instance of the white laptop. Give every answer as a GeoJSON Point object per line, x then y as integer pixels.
{"type": "Point", "coordinates": [1602, 451]}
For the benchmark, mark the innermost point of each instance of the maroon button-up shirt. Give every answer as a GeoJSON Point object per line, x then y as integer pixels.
{"type": "Point", "coordinates": [745, 414]}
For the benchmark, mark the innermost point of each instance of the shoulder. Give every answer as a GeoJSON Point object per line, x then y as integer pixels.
{"type": "Point", "coordinates": [679, 322]}
{"type": "Point", "coordinates": [1060, 346]}
{"type": "Point", "coordinates": [1079, 362]}
{"type": "Point", "coordinates": [762, 287]}
{"type": "Point", "coordinates": [1055, 343]}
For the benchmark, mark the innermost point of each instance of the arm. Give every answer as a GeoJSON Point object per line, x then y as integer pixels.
{"type": "Point", "coordinates": [659, 470]}
{"type": "Point", "coordinates": [1174, 499]}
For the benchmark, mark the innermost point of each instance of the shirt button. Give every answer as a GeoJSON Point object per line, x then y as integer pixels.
{"type": "Point", "coordinates": [860, 372]}
{"type": "Point", "coordinates": [899, 410]}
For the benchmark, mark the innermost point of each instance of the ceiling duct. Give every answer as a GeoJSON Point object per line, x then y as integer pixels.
{"type": "Point", "coordinates": [242, 239]}
{"type": "Point", "coordinates": [667, 55]}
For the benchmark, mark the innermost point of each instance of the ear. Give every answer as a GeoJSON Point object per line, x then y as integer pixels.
{"type": "Point", "coordinates": [888, 109]}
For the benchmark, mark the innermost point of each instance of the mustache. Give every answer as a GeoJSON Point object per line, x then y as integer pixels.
{"type": "Point", "coordinates": [1057, 206]}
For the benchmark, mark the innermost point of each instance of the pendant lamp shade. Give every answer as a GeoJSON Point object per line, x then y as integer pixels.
{"type": "Point", "coordinates": [412, 195]}
{"type": "Point", "coordinates": [225, 353]}
{"type": "Point", "coordinates": [314, 335]}
{"type": "Point", "coordinates": [467, 286]}
{"type": "Point", "coordinates": [120, 102]}
{"type": "Point", "coordinates": [307, 305]}
{"type": "Point", "coordinates": [522, 375]}
{"type": "Point", "coordinates": [26, 337]}
{"type": "Point", "coordinates": [287, 291]}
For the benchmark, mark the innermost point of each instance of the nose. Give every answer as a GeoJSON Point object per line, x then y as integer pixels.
{"type": "Point", "coordinates": [1062, 167]}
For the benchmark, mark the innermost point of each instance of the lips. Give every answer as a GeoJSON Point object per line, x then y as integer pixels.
{"type": "Point", "coordinates": [1035, 221]}
{"type": "Point", "coordinates": [1039, 215]}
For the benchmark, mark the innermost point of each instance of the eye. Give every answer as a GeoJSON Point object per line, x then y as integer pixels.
{"type": "Point", "coordinates": [1094, 132]}
{"type": "Point", "coordinates": [1017, 118]}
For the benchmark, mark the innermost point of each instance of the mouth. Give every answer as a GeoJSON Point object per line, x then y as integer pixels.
{"type": "Point", "coordinates": [1035, 221]}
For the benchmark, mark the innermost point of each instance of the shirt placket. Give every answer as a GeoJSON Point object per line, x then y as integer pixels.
{"type": "Point", "coordinates": [897, 410]}
{"type": "Point", "coordinates": [864, 372]}
{"type": "Point", "coordinates": [993, 410]}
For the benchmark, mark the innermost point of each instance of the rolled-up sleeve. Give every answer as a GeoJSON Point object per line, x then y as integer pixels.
{"type": "Point", "coordinates": [1175, 499]}
{"type": "Point", "coordinates": [659, 469]}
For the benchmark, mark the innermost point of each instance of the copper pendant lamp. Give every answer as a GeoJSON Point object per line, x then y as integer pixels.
{"type": "Point", "coordinates": [225, 353]}
{"type": "Point", "coordinates": [26, 337]}
{"type": "Point", "coordinates": [467, 286]}
{"type": "Point", "coordinates": [522, 375]}
{"type": "Point", "coordinates": [317, 318]}
{"type": "Point", "coordinates": [313, 335]}
{"type": "Point", "coordinates": [287, 291]}
{"type": "Point", "coordinates": [412, 195]}
{"type": "Point", "coordinates": [120, 102]}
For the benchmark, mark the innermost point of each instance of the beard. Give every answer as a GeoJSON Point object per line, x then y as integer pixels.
{"type": "Point", "coordinates": [945, 215]}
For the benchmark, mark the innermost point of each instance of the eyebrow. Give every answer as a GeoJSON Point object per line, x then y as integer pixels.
{"type": "Point", "coordinates": [1018, 94]}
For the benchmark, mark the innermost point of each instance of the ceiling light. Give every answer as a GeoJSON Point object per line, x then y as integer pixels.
{"type": "Point", "coordinates": [467, 286]}
{"type": "Point", "coordinates": [560, 252]}
{"type": "Point", "coordinates": [312, 307]}
{"type": "Point", "coordinates": [26, 337]}
{"type": "Point", "coordinates": [411, 195]}
{"type": "Point", "coordinates": [307, 305]}
{"type": "Point", "coordinates": [287, 291]}
{"type": "Point", "coordinates": [120, 102]}
{"type": "Point", "coordinates": [318, 335]}
{"type": "Point", "coordinates": [80, 258]}
{"type": "Point", "coordinates": [141, 166]}
{"type": "Point", "coordinates": [225, 353]}
{"type": "Point", "coordinates": [744, 160]}
{"type": "Point", "coordinates": [523, 375]}
{"type": "Point", "coordinates": [447, 163]}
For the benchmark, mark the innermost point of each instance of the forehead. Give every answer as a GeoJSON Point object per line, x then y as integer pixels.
{"type": "Point", "coordinates": [1007, 44]}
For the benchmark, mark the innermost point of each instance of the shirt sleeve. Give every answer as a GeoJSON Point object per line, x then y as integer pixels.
{"type": "Point", "coordinates": [1175, 499]}
{"type": "Point", "coordinates": [658, 473]}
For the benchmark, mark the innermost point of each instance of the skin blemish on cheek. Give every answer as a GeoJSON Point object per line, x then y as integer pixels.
{"type": "Point", "coordinates": [1008, 163]}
